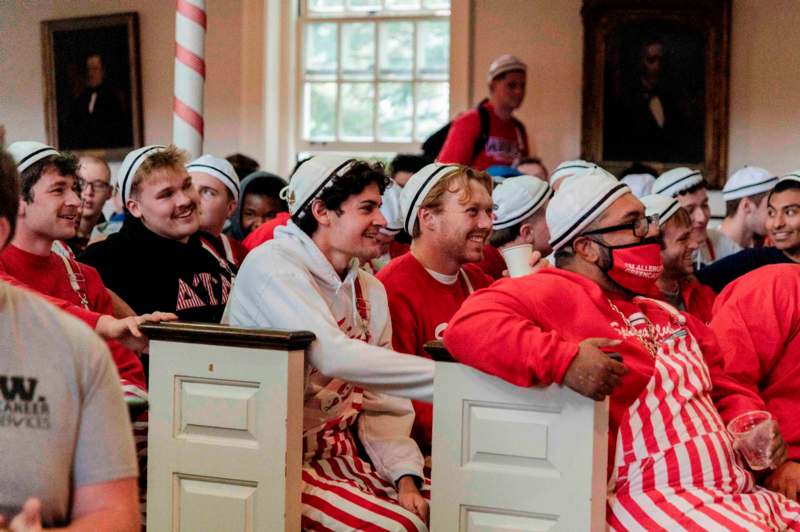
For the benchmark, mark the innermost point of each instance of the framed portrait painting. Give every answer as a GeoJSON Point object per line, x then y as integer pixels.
{"type": "Point", "coordinates": [92, 84]}
{"type": "Point", "coordinates": [655, 85]}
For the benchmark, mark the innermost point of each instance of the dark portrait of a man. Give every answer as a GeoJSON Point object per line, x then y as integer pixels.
{"type": "Point", "coordinates": [654, 94]}
{"type": "Point", "coordinates": [92, 75]}
{"type": "Point", "coordinates": [100, 115]}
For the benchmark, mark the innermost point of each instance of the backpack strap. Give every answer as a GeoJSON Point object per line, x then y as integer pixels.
{"type": "Point", "coordinates": [522, 136]}
{"type": "Point", "coordinates": [483, 134]}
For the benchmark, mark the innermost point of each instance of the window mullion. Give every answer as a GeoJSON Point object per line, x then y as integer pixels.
{"type": "Point", "coordinates": [376, 79]}
{"type": "Point", "coordinates": [415, 48]}
{"type": "Point", "coordinates": [337, 123]}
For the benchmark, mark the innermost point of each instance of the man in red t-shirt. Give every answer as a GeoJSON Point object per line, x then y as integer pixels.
{"type": "Point", "coordinates": [49, 208]}
{"type": "Point", "coordinates": [448, 211]}
{"type": "Point", "coordinates": [507, 140]}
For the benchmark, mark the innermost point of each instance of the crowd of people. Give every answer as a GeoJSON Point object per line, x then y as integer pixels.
{"type": "Point", "coordinates": [630, 297]}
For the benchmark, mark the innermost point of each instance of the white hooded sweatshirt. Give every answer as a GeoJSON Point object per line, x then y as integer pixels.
{"type": "Point", "coordinates": [287, 283]}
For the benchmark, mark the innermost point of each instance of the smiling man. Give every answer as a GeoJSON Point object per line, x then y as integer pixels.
{"type": "Point", "coordinates": [308, 278]}
{"type": "Point", "coordinates": [49, 206]}
{"type": "Point", "coordinates": [157, 261]}
{"type": "Point", "coordinates": [671, 462]}
{"type": "Point", "coordinates": [677, 284]}
{"type": "Point", "coordinates": [448, 211]}
{"type": "Point", "coordinates": [783, 229]}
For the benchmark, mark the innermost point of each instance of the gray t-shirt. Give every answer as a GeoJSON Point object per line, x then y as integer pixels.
{"type": "Point", "coordinates": [63, 421]}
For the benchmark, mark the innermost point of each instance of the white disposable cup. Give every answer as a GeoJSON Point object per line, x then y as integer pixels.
{"type": "Point", "coordinates": [518, 259]}
{"type": "Point", "coordinates": [752, 436]}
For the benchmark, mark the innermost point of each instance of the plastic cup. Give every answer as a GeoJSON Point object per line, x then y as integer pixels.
{"type": "Point", "coordinates": [752, 436]}
{"type": "Point", "coordinates": [518, 259]}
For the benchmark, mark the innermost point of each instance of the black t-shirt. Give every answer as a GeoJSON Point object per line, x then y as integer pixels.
{"type": "Point", "coordinates": [154, 273]}
{"type": "Point", "coordinates": [718, 274]}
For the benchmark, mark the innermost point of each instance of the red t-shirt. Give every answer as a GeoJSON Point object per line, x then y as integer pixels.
{"type": "Point", "coordinates": [420, 307]}
{"type": "Point", "coordinates": [48, 275]}
{"type": "Point", "coordinates": [266, 231]}
{"type": "Point", "coordinates": [506, 144]}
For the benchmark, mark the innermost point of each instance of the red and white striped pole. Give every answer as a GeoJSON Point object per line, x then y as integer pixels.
{"type": "Point", "coordinates": [190, 75]}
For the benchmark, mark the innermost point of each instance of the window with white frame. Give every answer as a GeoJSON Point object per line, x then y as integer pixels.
{"type": "Point", "coordinates": [374, 73]}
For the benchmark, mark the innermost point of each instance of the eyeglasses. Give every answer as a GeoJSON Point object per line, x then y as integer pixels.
{"type": "Point", "coordinates": [640, 227]}
{"type": "Point", "coordinates": [100, 187]}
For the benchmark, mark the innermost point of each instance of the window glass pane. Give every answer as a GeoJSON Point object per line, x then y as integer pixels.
{"type": "Point", "coordinates": [358, 50]}
{"type": "Point", "coordinates": [364, 5]}
{"type": "Point", "coordinates": [321, 49]}
{"type": "Point", "coordinates": [436, 4]}
{"type": "Point", "coordinates": [319, 113]}
{"type": "Point", "coordinates": [394, 112]}
{"type": "Point", "coordinates": [356, 111]}
{"type": "Point", "coordinates": [433, 49]}
{"type": "Point", "coordinates": [396, 49]}
{"type": "Point", "coordinates": [433, 108]}
{"type": "Point", "coordinates": [402, 4]}
{"type": "Point", "coordinates": [325, 6]}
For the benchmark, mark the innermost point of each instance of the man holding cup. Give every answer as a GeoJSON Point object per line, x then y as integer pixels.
{"type": "Point", "coordinates": [757, 322]}
{"type": "Point", "coordinates": [519, 227]}
{"type": "Point", "coordinates": [671, 462]}
{"type": "Point", "coordinates": [447, 209]}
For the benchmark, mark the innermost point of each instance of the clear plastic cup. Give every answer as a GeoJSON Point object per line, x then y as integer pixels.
{"type": "Point", "coordinates": [752, 436]}
{"type": "Point", "coordinates": [518, 259]}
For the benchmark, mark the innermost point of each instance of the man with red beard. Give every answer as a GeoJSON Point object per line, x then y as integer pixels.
{"type": "Point", "coordinates": [49, 206]}
{"type": "Point", "coordinates": [158, 261]}
{"type": "Point", "coordinates": [677, 284]}
{"type": "Point", "coordinates": [672, 465]}
{"type": "Point", "coordinates": [447, 209]}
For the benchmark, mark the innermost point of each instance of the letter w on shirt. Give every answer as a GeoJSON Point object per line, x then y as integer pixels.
{"type": "Point", "coordinates": [17, 388]}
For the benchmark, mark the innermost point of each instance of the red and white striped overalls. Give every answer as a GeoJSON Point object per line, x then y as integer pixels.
{"type": "Point", "coordinates": [675, 467]}
{"type": "Point", "coordinates": [340, 490]}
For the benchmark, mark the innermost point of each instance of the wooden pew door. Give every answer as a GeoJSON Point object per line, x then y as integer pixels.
{"type": "Point", "coordinates": [225, 437]}
{"type": "Point", "coordinates": [512, 459]}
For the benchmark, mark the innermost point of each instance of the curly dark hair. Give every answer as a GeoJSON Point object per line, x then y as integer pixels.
{"type": "Point", "coordinates": [354, 181]}
{"type": "Point", "coordinates": [66, 163]}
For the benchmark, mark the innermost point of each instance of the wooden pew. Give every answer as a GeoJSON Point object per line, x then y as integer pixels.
{"type": "Point", "coordinates": [512, 459]}
{"type": "Point", "coordinates": [225, 439]}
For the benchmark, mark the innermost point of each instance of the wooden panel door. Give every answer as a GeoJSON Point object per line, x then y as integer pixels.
{"type": "Point", "coordinates": [507, 458]}
{"type": "Point", "coordinates": [224, 444]}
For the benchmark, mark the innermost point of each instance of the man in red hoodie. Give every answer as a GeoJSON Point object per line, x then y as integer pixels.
{"type": "Point", "coordinates": [757, 321]}
{"type": "Point", "coordinates": [447, 209]}
{"type": "Point", "coordinates": [672, 462]}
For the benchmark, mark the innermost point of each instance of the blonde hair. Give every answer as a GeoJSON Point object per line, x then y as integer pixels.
{"type": "Point", "coordinates": [455, 181]}
{"type": "Point", "coordinates": [170, 157]}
